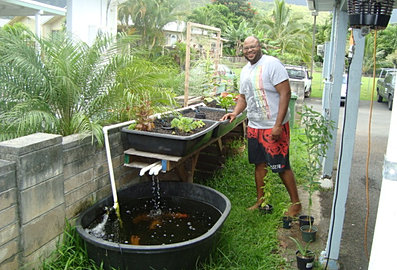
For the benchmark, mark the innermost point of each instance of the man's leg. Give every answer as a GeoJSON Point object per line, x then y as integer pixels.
{"type": "Point", "coordinates": [289, 182]}
{"type": "Point", "coordinates": [260, 173]}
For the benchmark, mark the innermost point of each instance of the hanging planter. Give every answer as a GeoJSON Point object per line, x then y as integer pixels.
{"type": "Point", "coordinates": [371, 13]}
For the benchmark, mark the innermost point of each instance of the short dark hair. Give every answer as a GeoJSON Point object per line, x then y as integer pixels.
{"type": "Point", "coordinates": [257, 39]}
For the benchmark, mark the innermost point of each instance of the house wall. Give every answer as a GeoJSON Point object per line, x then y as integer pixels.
{"type": "Point", "coordinates": [86, 18]}
{"type": "Point", "coordinates": [44, 180]}
{"type": "Point", "coordinates": [54, 25]}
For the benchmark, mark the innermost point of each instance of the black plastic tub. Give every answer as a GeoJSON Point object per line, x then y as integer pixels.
{"type": "Point", "coordinates": [169, 144]}
{"type": "Point", "coordinates": [183, 255]}
{"type": "Point", "coordinates": [225, 126]}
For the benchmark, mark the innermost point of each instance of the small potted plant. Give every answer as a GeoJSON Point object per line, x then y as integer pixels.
{"type": "Point", "coordinates": [266, 207]}
{"type": "Point", "coordinates": [317, 135]}
{"type": "Point", "coordinates": [304, 256]}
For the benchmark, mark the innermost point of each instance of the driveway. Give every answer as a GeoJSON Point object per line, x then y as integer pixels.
{"type": "Point", "coordinates": [352, 251]}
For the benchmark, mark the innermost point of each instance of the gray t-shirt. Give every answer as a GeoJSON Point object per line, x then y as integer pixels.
{"type": "Point", "coordinates": [257, 84]}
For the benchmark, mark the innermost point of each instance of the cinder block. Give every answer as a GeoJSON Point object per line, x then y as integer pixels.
{"type": "Point", "coordinates": [27, 144]}
{"type": "Point", "coordinates": [8, 233]}
{"type": "Point", "coordinates": [38, 166]}
{"type": "Point", "coordinates": [8, 198]}
{"type": "Point", "coordinates": [8, 216]}
{"type": "Point", "coordinates": [10, 264]}
{"type": "Point", "coordinates": [76, 208]}
{"type": "Point", "coordinates": [78, 180]}
{"type": "Point", "coordinates": [41, 198]}
{"type": "Point", "coordinates": [34, 260]}
{"type": "Point", "coordinates": [7, 175]}
{"type": "Point", "coordinates": [80, 193]}
{"type": "Point", "coordinates": [8, 250]}
{"type": "Point", "coordinates": [77, 167]}
{"type": "Point", "coordinates": [82, 151]}
{"type": "Point", "coordinates": [42, 230]}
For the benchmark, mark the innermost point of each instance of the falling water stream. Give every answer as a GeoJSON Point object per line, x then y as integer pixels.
{"type": "Point", "coordinates": [155, 220]}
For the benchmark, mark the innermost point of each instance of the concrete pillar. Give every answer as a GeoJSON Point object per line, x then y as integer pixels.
{"type": "Point", "coordinates": [38, 160]}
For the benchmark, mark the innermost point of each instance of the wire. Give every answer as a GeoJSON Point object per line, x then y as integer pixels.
{"type": "Point", "coordinates": [369, 150]}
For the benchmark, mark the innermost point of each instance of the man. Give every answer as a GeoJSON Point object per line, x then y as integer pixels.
{"type": "Point", "coordinates": [265, 92]}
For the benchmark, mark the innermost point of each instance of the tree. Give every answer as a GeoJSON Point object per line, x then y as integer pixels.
{"type": "Point", "coordinates": [213, 15]}
{"type": "Point", "coordinates": [148, 17]}
{"type": "Point", "coordinates": [66, 87]}
{"type": "Point", "coordinates": [236, 36]}
{"type": "Point", "coordinates": [240, 8]}
{"type": "Point", "coordinates": [284, 32]}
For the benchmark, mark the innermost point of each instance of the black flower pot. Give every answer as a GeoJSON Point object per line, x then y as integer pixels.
{"type": "Point", "coordinates": [305, 220]}
{"type": "Point", "coordinates": [267, 209]}
{"type": "Point", "coordinates": [287, 222]}
{"type": "Point", "coordinates": [305, 262]}
{"type": "Point", "coordinates": [309, 233]}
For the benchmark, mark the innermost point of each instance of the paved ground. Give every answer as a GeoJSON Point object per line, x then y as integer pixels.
{"type": "Point", "coordinates": [352, 250]}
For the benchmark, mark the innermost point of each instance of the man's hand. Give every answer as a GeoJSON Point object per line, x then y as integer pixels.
{"type": "Point", "coordinates": [276, 132]}
{"type": "Point", "coordinates": [230, 116]}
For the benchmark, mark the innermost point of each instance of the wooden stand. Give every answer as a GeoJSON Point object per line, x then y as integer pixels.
{"type": "Point", "coordinates": [184, 166]}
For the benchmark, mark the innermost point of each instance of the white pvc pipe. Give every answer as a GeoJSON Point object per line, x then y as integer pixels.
{"type": "Point", "coordinates": [109, 159]}
{"type": "Point", "coordinates": [155, 169]}
{"type": "Point", "coordinates": [149, 167]}
{"type": "Point", "coordinates": [109, 156]}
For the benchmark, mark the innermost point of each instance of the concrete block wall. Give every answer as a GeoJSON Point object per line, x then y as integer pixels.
{"type": "Point", "coordinates": [44, 180]}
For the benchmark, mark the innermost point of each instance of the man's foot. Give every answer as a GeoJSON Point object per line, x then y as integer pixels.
{"type": "Point", "coordinates": [255, 206]}
{"type": "Point", "coordinates": [294, 209]}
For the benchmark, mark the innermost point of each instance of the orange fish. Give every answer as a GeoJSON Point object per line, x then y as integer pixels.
{"type": "Point", "coordinates": [135, 239]}
{"type": "Point", "coordinates": [179, 215]}
{"type": "Point", "coordinates": [141, 217]}
{"type": "Point", "coordinates": [154, 224]}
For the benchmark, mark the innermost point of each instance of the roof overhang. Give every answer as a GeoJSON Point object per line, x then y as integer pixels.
{"type": "Point", "coordinates": [28, 8]}
{"type": "Point", "coordinates": [328, 5]}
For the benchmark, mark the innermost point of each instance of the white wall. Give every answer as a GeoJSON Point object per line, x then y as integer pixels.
{"type": "Point", "coordinates": [86, 18]}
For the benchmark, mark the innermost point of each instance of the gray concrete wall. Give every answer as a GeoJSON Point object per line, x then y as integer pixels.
{"type": "Point", "coordinates": [44, 180]}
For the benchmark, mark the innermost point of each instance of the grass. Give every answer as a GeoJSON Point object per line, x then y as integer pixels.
{"type": "Point", "coordinates": [318, 86]}
{"type": "Point", "coordinates": [248, 239]}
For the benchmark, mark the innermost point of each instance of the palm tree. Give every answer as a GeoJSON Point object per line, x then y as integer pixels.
{"type": "Point", "coordinates": [148, 17]}
{"type": "Point", "coordinates": [284, 30]}
{"type": "Point", "coordinates": [236, 36]}
{"type": "Point", "coordinates": [62, 88]}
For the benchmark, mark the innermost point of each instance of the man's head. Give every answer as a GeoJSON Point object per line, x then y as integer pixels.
{"type": "Point", "coordinates": [252, 49]}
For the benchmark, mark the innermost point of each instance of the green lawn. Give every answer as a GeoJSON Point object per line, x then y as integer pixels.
{"type": "Point", "coordinates": [248, 238]}
{"type": "Point", "coordinates": [318, 86]}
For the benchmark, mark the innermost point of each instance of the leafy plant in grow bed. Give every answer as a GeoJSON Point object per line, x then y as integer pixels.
{"type": "Point", "coordinates": [317, 130]}
{"type": "Point", "coordinates": [143, 120]}
{"type": "Point", "coordinates": [186, 124]}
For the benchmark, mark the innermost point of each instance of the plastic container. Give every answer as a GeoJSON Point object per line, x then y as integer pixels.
{"type": "Point", "coordinates": [169, 144]}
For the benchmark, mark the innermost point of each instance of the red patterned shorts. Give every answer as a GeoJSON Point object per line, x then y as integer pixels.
{"type": "Point", "coordinates": [263, 149]}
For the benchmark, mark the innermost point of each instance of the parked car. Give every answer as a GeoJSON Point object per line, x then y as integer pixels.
{"type": "Point", "coordinates": [385, 87]}
{"type": "Point", "coordinates": [299, 78]}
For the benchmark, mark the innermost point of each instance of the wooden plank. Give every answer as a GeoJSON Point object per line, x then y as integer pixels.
{"type": "Point", "coordinates": [132, 151]}
{"type": "Point", "coordinates": [137, 164]}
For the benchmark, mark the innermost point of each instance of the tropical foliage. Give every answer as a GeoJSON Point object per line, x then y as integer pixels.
{"type": "Point", "coordinates": [63, 86]}
{"type": "Point", "coordinates": [148, 17]}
